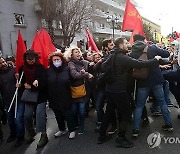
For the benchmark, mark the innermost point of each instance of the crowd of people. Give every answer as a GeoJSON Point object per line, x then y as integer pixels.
{"type": "Point", "coordinates": [73, 82]}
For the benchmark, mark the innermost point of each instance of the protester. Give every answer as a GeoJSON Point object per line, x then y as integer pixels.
{"type": "Point", "coordinates": [107, 49]}
{"type": "Point", "coordinates": [153, 83]}
{"type": "Point", "coordinates": [78, 70]}
{"type": "Point", "coordinates": [34, 79]}
{"type": "Point", "coordinates": [117, 92]}
{"type": "Point", "coordinates": [11, 61]}
{"type": "Point", "coordinates": [107, 46]}
{"type": "Point", "coordinates": [98, 90]}
{"type": "Point", "coordinates": [87, 55]}
{"type": "Point", "coordinates": [59, 93]}
{"type": "Point", "coordinates": [7, 90]}
{"type": "Point", "coordinates": [173, 77]}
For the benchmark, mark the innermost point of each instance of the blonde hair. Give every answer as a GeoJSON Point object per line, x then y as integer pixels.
{"type": "Point", "coordinates": [69, 51]}
{"type": "Point", "coordinates": [96, 53]}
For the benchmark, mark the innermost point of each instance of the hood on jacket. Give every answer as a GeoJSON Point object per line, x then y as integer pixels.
{"type": "Point", "coordinates": [138, 46]}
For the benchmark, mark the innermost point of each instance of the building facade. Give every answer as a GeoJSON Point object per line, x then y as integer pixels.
{"type": "Point", "coordinates": [14, 15]}
{"type": "Point", "coordinates": [105, 22]}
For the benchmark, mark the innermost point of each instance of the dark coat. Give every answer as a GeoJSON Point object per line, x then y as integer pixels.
{"type": "Point", "coordinates": [122, 64]}
{"type": "Point", "coordinates": [40, 75]}
{"type": "Point", "coordinates": [59, 93]}
{"type": "Point", "coordinates": [155, 76]}
{"type": "Point", "coordinates": [7, 85]}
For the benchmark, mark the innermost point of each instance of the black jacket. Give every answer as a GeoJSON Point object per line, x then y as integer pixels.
{"type": "Point", "coordinates": [40, 75]}
{"type": "Point", "coordinates": [7, 85]}
{"type": "Point", "coordinates": [59, 93]}
{"type": "Point", "coordinates": [122, 64]}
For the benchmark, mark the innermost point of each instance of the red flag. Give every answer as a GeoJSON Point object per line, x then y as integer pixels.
{"type": "Point", "coordinates": [37, 47]}
{"type": "Point", "coordinates": [132, 19]}
{"type": "Point", "coordinates": [177, 35]}
{"type": "Point", "coordinates": [90, 41]}
{"type": "Point", "coordinates": [131, 38]}
{"type": "Point", "coordinates": [47, 45]}
{"type": "Point", "coordinates": [20, 50]}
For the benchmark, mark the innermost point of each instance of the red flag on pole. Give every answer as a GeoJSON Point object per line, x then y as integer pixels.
{"type": "Point", "coordinates": [91, 43]}
{"type": "Point", "coordinates": [20, 50]}
{"type": "Point", "coordinates": [132, 20]}
{"type": "Point", "coordinates": [177, 35]}
{"type": "Point", "coordinates": [47, 45]}
{"type": "Point", "coordinates": [37, 47]}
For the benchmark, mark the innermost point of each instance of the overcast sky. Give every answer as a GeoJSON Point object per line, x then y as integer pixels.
{"type": "Point", "coordinates": [165, 13]}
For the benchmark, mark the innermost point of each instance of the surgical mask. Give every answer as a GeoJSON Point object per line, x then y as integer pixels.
{"type": "Point", "coordinates": [57, 64]}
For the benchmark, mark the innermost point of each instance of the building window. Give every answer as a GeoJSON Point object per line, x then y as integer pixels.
{"type": "Point", "coordinates": [60, 25]}
{"type": "Point", "coordinates": [102, 25]}
{"type": "Point", "coordinates": [19, 19]}
{"type": "Point", "coordinates": [54, 24]}
{"type": "Point", "coordinates": [44, 23]}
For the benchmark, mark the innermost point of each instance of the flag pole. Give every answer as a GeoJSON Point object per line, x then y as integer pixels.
{"type": "Point", "coordinates": [135, 84]}
{"type": "Point", "coordinates": [16, 102]}
{"type": "Point", "coordinates": [15, 92]}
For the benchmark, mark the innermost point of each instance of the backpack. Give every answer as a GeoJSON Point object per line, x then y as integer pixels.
{"type": "Point", "coordinates": [108, 75]}
{"type": "Point", "coordinates": [141, 73]}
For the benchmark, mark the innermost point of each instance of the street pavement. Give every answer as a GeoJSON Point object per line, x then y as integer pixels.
{"type": "Point", "coordinates": [87, 143]}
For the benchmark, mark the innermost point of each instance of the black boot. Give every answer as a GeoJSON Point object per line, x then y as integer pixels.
{"type": "Point", "coordinates": [102, 139]}
{"type": "Point", "coordinates": [20, 141]}
{"type": "Point", "coordinates": [43, 141]}
{"type": "Point", "coordinates": [11, 138]}
{"type": "Point", "coordinates": [123, 142]}
{"type": "Point", "coordinates": [30, 137]}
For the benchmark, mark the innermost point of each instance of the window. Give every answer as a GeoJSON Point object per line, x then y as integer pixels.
{"type": "Point", "coordinates": [54, 24]}
{"type": "Point", "coordinates": [44, 23]}
{"type": "Point", "coordinates": [102, 25]}
{"type": "Point", "coordinates": [20, 0]}
{"type": "Point", "coordinates": [19, 19]}
{"type": "Point", "coordinates": [60, 25]}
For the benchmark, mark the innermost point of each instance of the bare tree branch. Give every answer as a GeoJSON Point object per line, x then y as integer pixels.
{"type": "Point", "coordinates": [71, 13]}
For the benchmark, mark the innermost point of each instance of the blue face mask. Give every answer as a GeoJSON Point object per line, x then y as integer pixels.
{"type": "Point", "coordinates": [57, 63]}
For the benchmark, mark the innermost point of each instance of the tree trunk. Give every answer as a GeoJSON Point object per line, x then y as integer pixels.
{"type": "Point", "coordinates": [51, 31]}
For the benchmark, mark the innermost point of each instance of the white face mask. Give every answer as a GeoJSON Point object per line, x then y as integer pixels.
{"type": "Point", "coordinates": [57, 63]}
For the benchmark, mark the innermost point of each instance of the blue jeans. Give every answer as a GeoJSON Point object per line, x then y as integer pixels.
{"type": "Point", "coordinates": [78, 110]}
{"type": "Point", "coordinates": [100, 97]}
{"type": "Point", "coordinates": [40, 116]}
{"type": "Point", "coordinates": [142, 94]}
{"type": "Point", "coordinates": [155, 106]}
{"type": "Point", "coordinates": [16, 125]}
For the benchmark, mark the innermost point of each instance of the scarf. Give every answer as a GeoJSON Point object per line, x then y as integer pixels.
{"type": "Point", "coordinates": [29, 71]}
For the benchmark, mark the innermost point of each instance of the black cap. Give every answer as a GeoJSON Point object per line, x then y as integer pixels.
{"type": "Point", "coordinates": [138, 37]}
